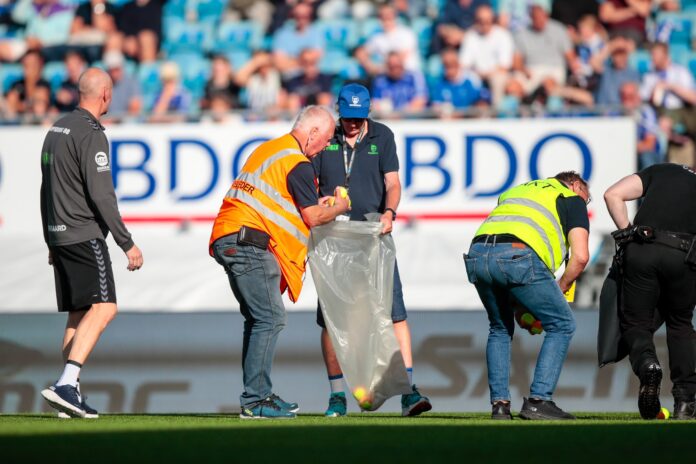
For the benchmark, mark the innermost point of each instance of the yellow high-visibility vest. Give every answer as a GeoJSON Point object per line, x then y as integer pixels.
{"type": "Point", "coordinates": [529, 212]}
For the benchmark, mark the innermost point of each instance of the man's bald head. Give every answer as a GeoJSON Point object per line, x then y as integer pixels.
{"type": "Point", "coordinates": [313, 128]}
{"type": "Point", "coordinates": [93, 82]}
{"type": "Point", "coordinates": [95, 86]}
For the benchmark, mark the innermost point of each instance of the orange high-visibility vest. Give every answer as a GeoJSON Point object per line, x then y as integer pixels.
{"type": "Point", "coordinates": [259, 198]}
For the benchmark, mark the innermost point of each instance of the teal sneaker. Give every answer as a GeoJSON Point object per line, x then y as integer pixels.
{"type": "Point", "coordinates": [337, 405]}
{"type": "Point", "coordinates": [265, 409]}
{"type": "Point", "coordinates": [292, 407]}
{"type": "Point", "coordinates": [414, 403]}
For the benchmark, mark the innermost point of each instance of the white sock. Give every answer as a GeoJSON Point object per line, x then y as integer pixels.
{"type": "Point", "coordinates": [70, 374]}
{"type": "Point", "coordinates": [409, 372]}
{"type": "Point", "coordinates": [336, 382]}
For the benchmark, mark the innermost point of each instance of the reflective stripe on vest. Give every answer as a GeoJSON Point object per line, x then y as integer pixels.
{"type": "Point", "coordinates": [533, 225]}
{"type": "Point", "coordinates": [548, 215]}
{"type": "Point", "coordinates": [254, 179]}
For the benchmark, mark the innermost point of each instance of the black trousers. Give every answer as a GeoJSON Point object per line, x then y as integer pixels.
{"type": "Point", "coordinates": [657, 279]}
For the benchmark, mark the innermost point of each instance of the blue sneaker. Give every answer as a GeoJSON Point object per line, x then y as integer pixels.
{"type": "Point", "coordinates": [414, 403]}
{"type": "Point", "coordinates": [265, 409]}
{"type": "Point", "coordinates": [90, 412]}
{"type": "Point", "coordinates": [65, 399]}
{"type": "Point", "coordinates": [337, 405]}
{"type": "Point", "coordinates": [292, 407]}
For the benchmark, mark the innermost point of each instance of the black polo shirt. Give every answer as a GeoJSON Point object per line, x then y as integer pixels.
{"type": "Point", "coordinates": [375, 156]}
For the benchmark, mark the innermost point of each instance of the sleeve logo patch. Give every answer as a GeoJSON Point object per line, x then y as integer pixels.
{"type": "Point", "coordinates": [102, 161]}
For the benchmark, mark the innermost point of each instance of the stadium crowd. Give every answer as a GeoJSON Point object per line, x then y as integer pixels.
{"type": "Point", "coordinates": [174, 60]}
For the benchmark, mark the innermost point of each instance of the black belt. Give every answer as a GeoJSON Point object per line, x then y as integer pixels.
{"type": "Point", "coordinates": [497, 238]}
{"type": "Point", "coordinates": [675, 240]}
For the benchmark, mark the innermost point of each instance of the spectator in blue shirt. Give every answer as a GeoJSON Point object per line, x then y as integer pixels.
{"type": "Point", "coordinates": [289, 40]}
{"type": "Point", "coordinates": [173, 101]}
{"type": "Point", "coordinates": [398, 89]}
{"type": "Point", "coordinates": [616, 73]}
{"type": "Point", "coordinates": [456, 88]}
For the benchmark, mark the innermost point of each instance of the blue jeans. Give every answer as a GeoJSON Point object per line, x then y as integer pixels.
{"type": "Point", "coordinates": [254, 276]}
{"type": "Point", "coordinates": [507, 273]}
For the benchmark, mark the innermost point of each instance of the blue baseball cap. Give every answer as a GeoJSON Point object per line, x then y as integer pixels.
{"type": "Point", "coordinates": [354, 101]}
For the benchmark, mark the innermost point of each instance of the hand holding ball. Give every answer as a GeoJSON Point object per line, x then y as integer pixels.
{"type": "Point", "coordinates": [343, 193]}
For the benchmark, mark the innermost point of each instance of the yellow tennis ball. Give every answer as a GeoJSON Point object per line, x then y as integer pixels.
{"type": "Point", "coordinates": [343, 192]}
{"type": "Point", "coordinates": [360, 393]}
{"type": "Point", "coordinates": [663, 414]}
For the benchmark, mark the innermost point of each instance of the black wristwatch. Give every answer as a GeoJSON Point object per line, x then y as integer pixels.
{"type": "Point", "coordinates": [392, 211]}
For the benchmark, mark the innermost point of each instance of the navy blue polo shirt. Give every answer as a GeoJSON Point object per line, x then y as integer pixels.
{"type": "Point", "coordinates": [375, 156]}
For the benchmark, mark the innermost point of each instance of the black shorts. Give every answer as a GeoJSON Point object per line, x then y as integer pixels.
{"type": "Point", "coordinates": [83, 275]}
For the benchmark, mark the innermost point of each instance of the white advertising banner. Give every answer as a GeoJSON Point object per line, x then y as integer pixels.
{"type": "Point", "coordinates": [170, 181]}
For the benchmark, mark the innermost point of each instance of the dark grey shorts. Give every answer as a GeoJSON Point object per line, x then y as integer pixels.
{"type": "Point", "coordinates": [83, 275]}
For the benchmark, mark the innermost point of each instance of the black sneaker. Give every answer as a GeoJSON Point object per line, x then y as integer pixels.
{"type": "Point", "coordinates": [501, 411]}
{"type": "Point", "coordinates": [649, 393]}
{"type": "Point", "coordinates": [535, 409]}
{"type": "Point", "coordinates": [65, 398]}
{"type": "Point", "coordinates": [684, 410]}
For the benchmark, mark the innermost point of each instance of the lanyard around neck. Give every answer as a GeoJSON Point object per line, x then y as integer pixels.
{"type": "Point", "coordinates": [348, 165]}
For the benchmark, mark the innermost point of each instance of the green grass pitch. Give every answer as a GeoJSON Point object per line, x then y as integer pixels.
{"type": "Point", "coordinates": [434, 437]}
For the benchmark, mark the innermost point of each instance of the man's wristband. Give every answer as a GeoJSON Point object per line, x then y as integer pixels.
{"type": "Point", "coordinates": [392, 211]}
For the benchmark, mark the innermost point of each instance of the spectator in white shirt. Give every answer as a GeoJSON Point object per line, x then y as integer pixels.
{"type": "Point", "coordinates": [668, 85]}
{"type": "Point", "coordinates": [393, 38]}
{"type": "Point", "coordinates": [487, 49]}
{"type": "Point", "coordinates": [544, 51]}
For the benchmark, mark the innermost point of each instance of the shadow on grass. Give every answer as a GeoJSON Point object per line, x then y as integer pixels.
{"type": "Point", "coordinates": [631, 442]}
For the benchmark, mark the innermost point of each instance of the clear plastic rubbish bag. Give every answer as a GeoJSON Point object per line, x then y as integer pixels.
{"type": "Point", "coordinates": [352, 266]}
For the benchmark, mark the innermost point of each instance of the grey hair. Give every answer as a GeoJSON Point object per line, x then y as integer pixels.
{"type": "Point", "coordinates": [312, 116]}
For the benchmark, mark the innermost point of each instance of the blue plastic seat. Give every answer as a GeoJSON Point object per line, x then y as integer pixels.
{"type": "Point", "coordinates": [238, 58]}
{"type": "Point", "coordinates": [210, 10]}
{"type": "Point", "coordinates": [339, 34]}
{"type": "Point", "coordinates": [9, 74]}
{"type": "Point", "coordinates": [150, 84]}
{"type": "Point", "coordinates": [682, 24]}
{"type": "Point", "coordinates": [54, 72]}
{"type": "Point", "coordinates": [238, 36]}
{"type": "Point", "coordinates": [333, 61]}
{"type": "Point", "coordinates": [640, 61]}
{"type": "Point", "coordinates": [423, 28]}
{"type": "Point", "coordinates": [183, 37]}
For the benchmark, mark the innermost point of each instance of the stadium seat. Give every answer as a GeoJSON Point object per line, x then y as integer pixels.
{"type": "Point", "coordinates": [368, 28]}
{"type": "Point", "coordinates": [148, 76]}
{"type": "Point", "coordinates": [183, 37]}
{"type": "Point", "coordinates": [174, 9]}
{"type": "Point", "coordinates": [210, 10]}
{"type": "Point", "coordinates": [9, 73]}
{"type": "Point", "coordinates": [195, 72]}
{"type": "Point", "coordinates": [238, 58]}
{"type": "Point", "coordinates": [681, 26]}
{"type": "Point", "coordinates": [55, 73]}
{"type": "Point", "coordinates": [679, 53]}
{"type": "Point", "coordinates": [238, 36]}
{"type": "Point", "coordinates": [339, 34]}
{"type": "Point", "coordinates": [433, 68]}
{"type": "Point", "coordinates": [423, 28]}
{"type": "Point", "coordinates": [691, 63]}
{"type": "Point", "coordinates": [333, 61]}
{"type": "Point", "coordinates": [640, 61]}
{"type": "Point", "coordinates": [352, 71]}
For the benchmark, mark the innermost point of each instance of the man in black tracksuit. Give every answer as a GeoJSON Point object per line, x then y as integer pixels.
{"type": "Point", "coordinates": [657, 277]}
{"type": "Point", "coordinates": [78, 210]}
